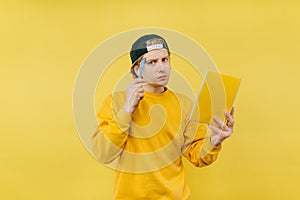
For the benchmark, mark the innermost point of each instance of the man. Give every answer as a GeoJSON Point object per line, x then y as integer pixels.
{"type": "Point", "coordinates": [147, 129]}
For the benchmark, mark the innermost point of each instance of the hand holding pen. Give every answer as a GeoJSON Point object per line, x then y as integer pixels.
{"type": "Point", "coordinates": [135, 91]}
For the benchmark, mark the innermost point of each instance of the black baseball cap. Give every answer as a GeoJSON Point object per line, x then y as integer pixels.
{"type": "Point", "coordinates": [145, 44]}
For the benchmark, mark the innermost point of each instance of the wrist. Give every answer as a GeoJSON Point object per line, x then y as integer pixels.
{"type": "Point", "coordinates": [128, 109]}
{"type": "Point", "coordinates": [216, 140]}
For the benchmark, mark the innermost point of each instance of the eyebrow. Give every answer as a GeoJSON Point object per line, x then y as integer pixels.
{"type": "Point", "coordinates": [155, 59]}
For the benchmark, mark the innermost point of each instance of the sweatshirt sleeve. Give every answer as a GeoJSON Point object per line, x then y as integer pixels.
{"type": "Point", "coordinates": [111, 135]}
{"type": "Point", "coordinates": [197, 146]}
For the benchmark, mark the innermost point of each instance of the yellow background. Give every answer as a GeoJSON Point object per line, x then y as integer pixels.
{"type": "Point", "coordinates": [43, 44]}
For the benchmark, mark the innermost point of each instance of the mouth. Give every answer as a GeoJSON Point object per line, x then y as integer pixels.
{"type": "Point", "coordinates": [162, 77]}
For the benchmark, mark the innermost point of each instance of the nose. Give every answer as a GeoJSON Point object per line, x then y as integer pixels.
{"type": "Point", "coordinates": [161, 67]}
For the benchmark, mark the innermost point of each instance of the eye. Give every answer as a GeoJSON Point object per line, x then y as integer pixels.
{"type": "Point", "coordinates": [166, 59]}
{"type": "Point", "coordinates": [151, 62]}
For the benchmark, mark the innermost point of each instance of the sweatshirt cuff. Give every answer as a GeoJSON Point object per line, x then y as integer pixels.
{"type": "Point", "coordinates": [208, 148]}
{"type": "Point", "coordinates": [123, 119]}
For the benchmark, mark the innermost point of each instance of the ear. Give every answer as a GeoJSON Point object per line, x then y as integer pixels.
{"type": "Point", "coordinates": [136, 69]}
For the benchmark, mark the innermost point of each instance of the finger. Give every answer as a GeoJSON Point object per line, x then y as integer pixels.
{"type": "Point", "coordinates": [140, 90]}
{"type": "Point", "coordinates": [135, 98]}
{"type": "Point", "coordinates": [139, 95]}
{"type": "Point", "coordinates": [229, 118]}
{"type": "Point", "coordinates": [139, 80]}
{"type": "Point", "coordinates": [232, 112]}
{"type": "Point", "coordinates": [219, 122]}
{"type": "Point", "coordinates": [229, 123]}
{"type": "Point", "coordinates": [137, 87]}
{"type": "Point", "coordinates": [215, 129]}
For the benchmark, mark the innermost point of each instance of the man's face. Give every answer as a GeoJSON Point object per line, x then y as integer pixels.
{"type": "Point", "coordinates": [157, 67]}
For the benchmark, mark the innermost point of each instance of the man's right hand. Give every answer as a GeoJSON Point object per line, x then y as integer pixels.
{"type": "Point", "coordinates": [134, 93]}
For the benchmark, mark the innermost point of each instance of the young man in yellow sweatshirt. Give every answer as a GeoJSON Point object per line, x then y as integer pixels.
{"type": "Point", "coordinates": [147, 129]}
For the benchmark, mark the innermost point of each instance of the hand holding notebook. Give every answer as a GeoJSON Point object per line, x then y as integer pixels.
{"type": "Point", "coordinates": [214, 102]}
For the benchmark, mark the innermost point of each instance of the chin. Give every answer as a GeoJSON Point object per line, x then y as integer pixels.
{"type": "Point", "coordinates": [165, 82]}
{"type": "Point", "coordinates": [160, 84]}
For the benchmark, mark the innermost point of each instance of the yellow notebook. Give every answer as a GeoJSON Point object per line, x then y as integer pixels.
{"type": "Point", "coordinates": [217, 93]}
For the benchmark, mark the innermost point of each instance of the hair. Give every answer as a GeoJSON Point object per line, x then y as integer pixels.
{"type": "Point", "coordinates": [154, 41]}
{"type": "Point", "coordinates": [136, 63]}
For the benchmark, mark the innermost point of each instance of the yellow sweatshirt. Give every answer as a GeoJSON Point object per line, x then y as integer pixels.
{"type": "Point", "coordinates": [145, 148]}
